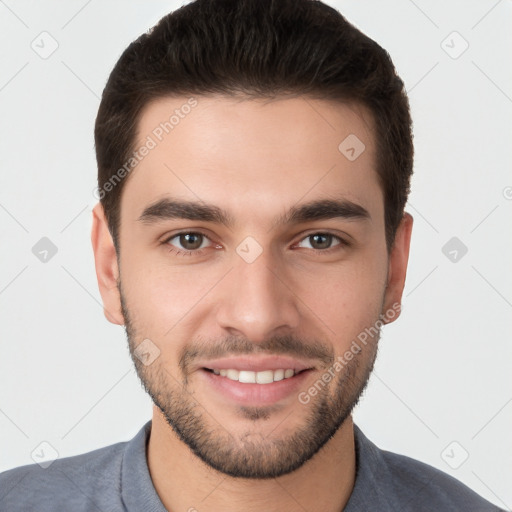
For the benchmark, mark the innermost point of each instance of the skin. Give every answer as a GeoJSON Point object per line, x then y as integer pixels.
{"type": "Point", "coordinates": [255, 159]}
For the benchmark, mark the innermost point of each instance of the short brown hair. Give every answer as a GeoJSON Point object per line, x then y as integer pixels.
{"type": "Point", "coordinates": [263, 49]}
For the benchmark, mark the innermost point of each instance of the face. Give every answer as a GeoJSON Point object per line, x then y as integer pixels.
{"type": "Point", "coordinates": [252, 258]}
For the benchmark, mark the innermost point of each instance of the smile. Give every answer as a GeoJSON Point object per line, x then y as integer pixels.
{"type": "Point", "coordinates": [254, 377]}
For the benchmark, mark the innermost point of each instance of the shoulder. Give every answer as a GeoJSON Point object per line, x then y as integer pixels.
{"type": "Point", "coordinates": [82, 482]}
{"type": "Point", "coordinates": [410, 485]}
{"type": "Point", "coordinates": [423, 485]}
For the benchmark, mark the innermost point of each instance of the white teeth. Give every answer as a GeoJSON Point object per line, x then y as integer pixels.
{"type": "Point", "coordinates": [247, 377]}
{"type": "Point", "coordinates": [232, 374]}
{"type": "Point", "coordinates": [265, 377]}
{"type": "Point", "coordinates": [250, 377]}
{"type": "Point", "coordinates": [278, 375]}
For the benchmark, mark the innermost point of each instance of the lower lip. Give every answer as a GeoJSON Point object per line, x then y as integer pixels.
{"type": "Point", "coordinates": [255, 394]}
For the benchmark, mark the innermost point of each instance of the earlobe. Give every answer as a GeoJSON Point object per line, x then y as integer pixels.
{"type": "Point", "coordinates": [107, 271]}
{"type": "Point", "coordinates": [397, 269]}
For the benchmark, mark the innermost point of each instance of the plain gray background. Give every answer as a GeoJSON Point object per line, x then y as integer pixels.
{"type": "Point", "coordinates": [441, 391]}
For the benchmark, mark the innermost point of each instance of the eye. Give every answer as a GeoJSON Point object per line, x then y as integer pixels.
{"type": "Point", "coordinates": [323, 241]}
{"type": "Point", "coordinates": [190, 241]}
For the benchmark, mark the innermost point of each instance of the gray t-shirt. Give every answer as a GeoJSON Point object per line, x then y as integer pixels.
{"type": "Point", "coordinates": [116, 478]}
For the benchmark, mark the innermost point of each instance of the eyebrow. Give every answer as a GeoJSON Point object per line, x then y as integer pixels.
{"type": "Point", "coordinates": [320, 209]}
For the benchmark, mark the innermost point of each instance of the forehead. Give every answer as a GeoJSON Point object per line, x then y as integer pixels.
{"type": "Point", "coordinates": [253, 156]}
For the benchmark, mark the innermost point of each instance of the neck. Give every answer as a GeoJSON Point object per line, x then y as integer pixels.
{"type": "Point", "coordinates": [185, 482]}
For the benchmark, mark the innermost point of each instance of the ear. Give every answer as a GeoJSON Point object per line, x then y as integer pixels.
{"type": "Point", "coordinates": [107, 271]}
{"type": "Point", "coordinates": [397, 269]}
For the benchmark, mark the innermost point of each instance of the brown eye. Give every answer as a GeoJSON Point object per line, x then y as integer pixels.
{"type": "Point", "coordinates": [322, 241]}
{"type": "Point", "coordinates": [187, 243]}
{"type": "Point", "coordinates": [191, 241]}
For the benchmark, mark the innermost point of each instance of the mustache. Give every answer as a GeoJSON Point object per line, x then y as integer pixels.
{"type": "Point", "coordinates": [232, 345]}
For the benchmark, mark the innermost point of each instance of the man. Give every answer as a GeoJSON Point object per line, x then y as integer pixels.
{"type": "Point", "coordinates": [254, 160]}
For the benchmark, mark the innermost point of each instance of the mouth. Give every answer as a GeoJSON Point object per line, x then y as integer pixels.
{"type": "Point", "coordinates": [254, 381]}
{"type": "Point", "coordinates": [255, 377]}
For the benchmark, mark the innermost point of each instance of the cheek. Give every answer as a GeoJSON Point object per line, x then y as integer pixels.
{"type": "Point", "coordinates": [164, 298]}
{"type": "Point", "coordinates": [348, 300]}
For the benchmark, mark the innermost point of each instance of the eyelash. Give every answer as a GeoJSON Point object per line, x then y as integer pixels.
{"type": "Point", "coordinates": [185, 252]}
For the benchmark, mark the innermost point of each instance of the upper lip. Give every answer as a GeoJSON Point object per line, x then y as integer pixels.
{"type": "Point", "coordinates": [256, 364]}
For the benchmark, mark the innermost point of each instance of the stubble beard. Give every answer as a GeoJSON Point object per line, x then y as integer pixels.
{"type": "Point", "coordinates": [251, 454]}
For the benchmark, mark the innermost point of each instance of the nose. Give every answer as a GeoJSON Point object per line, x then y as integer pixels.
{"type": "Point", "coordinates": [258, 300]}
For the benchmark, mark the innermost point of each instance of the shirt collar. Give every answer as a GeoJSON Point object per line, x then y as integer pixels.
{"type": "Point", "coordinates": [137, 489]}
{"type": "Point", "coordinates": [371, 478]}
